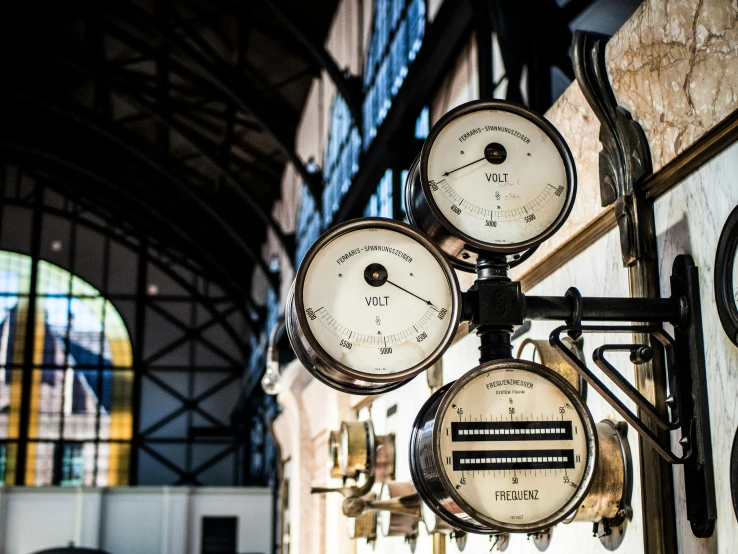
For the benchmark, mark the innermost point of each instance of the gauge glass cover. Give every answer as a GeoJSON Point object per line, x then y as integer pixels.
{"type": "Point", "coordinates": [498, 177]}
{"type": "Point", "coordinates": [513, 446]}
{"type": "Point", "coordinates": [377, 301]}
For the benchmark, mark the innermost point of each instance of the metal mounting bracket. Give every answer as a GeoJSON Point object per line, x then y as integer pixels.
{"type": "Point", "coordinates": [625, 157]}
{"type": "Point", "coordinates": [687, 401]}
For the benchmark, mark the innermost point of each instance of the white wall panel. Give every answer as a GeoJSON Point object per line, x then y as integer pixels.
{"type": "Point", "coordinates": [689, 220]}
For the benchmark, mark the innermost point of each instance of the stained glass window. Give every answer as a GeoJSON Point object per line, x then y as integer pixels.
{"type": "Point", "coordinates": [64, 352]}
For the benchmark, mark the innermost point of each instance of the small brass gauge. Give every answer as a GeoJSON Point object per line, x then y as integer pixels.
{"type": "Point", "coordinates": [492, 177]}
{"type": "Point", "coordinates": [509, 447]}
{"type": "Point", "coordinates": [334, 467]}
{"type": "Point", "coordinates": [373, 304]}
{"type": "Point", "coordinates": [361, 451]}
{"type": "Point", "coordinates": [541, 352]}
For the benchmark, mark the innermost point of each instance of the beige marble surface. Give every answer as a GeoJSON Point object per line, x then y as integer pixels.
{"type": "Point", "coordinates": [580, 128]}
{"type": "Point", "coordinates": [674, 66]}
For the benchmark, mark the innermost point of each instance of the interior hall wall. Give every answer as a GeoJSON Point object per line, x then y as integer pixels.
{"type": "Point", "coordinates": [648, 60]}
{"type": "Point", "coordinates": [140, 520]}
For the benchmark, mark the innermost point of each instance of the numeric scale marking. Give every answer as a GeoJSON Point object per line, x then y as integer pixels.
{"type": "Point", "coordinates": [496, 215]}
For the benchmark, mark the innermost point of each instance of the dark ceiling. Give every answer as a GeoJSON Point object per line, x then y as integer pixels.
{"type": "Point", "coordinates": [178, 117]}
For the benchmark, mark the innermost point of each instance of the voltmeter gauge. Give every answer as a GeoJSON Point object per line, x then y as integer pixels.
{"type": "Point", "coordinates": [373, 304]}
{"type": "Point", "coordinates": [493, 177]}
{"type": "Point", "coordinates": [509, 447]}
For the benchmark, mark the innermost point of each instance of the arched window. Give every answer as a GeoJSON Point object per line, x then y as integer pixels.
{"type": "Point", "coordinates": [65, 379]}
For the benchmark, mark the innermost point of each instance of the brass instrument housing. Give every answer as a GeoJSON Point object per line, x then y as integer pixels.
{"type": "Point", "coordinates": [610, 494]}
{"type": "Point", "coordinates": [360, 450]}
{"type": "Point", "coordinates": [548, 356]}
{"type": "Point", "coordinates": [401, 509]}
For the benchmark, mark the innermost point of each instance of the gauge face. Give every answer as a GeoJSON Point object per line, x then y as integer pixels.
{"type": "Point", "coordinates": [514, 447]}
{"type": "Point", "coordinates": [499, 175]}
{"type": "Point", "coordinates": [378, 299]}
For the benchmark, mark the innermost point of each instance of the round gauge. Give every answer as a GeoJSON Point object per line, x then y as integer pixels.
{"type": "Point", "coordinates": [510, 447]}
{"type": "Point", "coordinates": [726, 277]}
{"type": "Point", "coordinates": [497, 177]}
{"type": "Point", "coordinates": [373, 304]}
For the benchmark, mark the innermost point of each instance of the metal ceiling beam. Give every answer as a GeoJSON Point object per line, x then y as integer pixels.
{"type": "Point", "coordinates": [19, 154]}
{"type": "Point", "coordinates": [242, 97]}
{"type": "Point", "coordinates": [349, 86]}
{"type": "Point", "coordinates": [142, 156]}
{"type": "Point", "coordinates": [121, 88]}
{"type": "Point", "coordinates": [194, 294]}
{"type": "Point", "coordinates": [118, 85]}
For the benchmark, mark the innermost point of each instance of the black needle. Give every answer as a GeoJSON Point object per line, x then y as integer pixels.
{"type": "Point", "coordinates": [463, 166]}
{"type": "Point", "coordinates": [410, 293]}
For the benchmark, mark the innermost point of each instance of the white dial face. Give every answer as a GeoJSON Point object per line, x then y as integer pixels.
{"type": "Point", "coordinates": [497, 177]}
{"type": "Point", "coordinates": [377, 301]}
{"type": "Point", "coordinates": [513, 446]}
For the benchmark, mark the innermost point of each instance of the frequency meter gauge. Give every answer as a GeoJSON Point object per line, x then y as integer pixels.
{"type": "Point", "coordinates": [494, 177]}
{"type": "Point", "coordinates": [373, 304]}
{"type": "Point", "coordinates": [509, 447]}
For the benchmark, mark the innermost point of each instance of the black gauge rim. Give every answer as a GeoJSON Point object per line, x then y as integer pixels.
{"type": "Point", "coordinates": [724, 286]}
{"type": "Point", "coordinates": [398, 378]}
{"type": "Point", "coordinates": [734, 474]}
{"type": "Point", "coordinates": [587, 422]}
{"type": "Point", "coordinates": [419, 482]}
{"type": "Point", "coordinates": [539, 121]}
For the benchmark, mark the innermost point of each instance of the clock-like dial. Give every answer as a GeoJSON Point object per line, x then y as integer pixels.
{"type": "Point", "coordinates": [513, 448]}
{"type": "Point", "coordinates": [496, 175]}
{"type": "Point", "coordinates": [374, 303]}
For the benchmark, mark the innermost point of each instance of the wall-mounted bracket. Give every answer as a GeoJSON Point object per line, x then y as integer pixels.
{"type": "Point", "coordinates": [625, 157]}
{"type": "Point", "coordinates": [687, 401]}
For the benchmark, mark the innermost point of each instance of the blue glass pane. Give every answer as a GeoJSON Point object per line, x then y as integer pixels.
{"type": "Point", "coordinates": [422, 125]}
{"type": "Point", "coordinates": [308, 225]}
{"type": "Point", "coordinates": [397, 34]}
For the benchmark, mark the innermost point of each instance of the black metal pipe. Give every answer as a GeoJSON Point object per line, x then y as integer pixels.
{"type": "Point", "coordinates": [649, 310]}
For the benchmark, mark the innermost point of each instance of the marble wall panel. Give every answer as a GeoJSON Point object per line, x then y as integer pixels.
{"type": "Point", "coordinates": [674, 66]}
{"type": "Point", "coordinates": [689, 220]}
